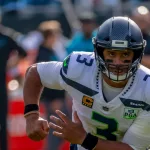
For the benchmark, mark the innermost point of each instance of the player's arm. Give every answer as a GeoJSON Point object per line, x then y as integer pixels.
{"type": "Point", "coordinates": [32, 86]}
{"type": "Point", "coordinates": [39, 75]}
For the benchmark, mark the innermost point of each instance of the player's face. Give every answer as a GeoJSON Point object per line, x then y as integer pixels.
{"type": "Point", "coordinates": [118, 61]}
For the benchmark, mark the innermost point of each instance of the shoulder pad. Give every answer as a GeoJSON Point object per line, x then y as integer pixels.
{"type": "Point", "coordinates": [76, 62]}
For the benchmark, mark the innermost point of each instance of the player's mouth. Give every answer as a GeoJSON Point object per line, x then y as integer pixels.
{"type": "Point", "coordinates": [118, 70]}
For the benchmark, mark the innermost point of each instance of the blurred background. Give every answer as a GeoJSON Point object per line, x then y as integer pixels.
{"type": "Point", "coordinates": [33, 31]}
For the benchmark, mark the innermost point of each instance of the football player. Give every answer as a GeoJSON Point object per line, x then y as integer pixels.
{"type": "Point", "coordinates": [109, 87]}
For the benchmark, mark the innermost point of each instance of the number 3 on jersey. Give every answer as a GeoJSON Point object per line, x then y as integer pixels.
{"type": "Point", "coordinates": [110, 126]}
{"type": "Point", "coordinates": [84, 60]}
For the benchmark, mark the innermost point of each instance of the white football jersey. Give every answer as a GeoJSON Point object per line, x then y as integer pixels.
{"type": "Point", "coordinates": [125, 118]}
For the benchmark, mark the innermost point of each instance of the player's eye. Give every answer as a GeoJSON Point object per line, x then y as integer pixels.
{"type": "Point", "coordinates": [126, 55]}
{"type": "Point", "coordinates": [111, 54]}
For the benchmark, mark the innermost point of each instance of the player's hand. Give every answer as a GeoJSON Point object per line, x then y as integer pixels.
{"type": "Point", "coordinates": [36, 127]}
{"type": "Point", "coordinates": [66, 129]}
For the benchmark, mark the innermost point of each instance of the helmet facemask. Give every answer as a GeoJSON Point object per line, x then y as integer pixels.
{"type": "Point", "coordinates": [108, 68]}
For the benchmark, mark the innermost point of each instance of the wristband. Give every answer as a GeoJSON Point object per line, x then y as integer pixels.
{"type": "Point", "coordinates": [30, 109]}
{"type": "Point", "coordinates": [90, 142]}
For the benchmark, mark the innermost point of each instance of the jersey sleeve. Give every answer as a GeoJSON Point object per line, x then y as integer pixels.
{"type": "Point", "coordinates": [49, 73]}
{"type": "Point", "coordinates": [62, 75]}
{"type": "Point", "coordinates": [138, 135]}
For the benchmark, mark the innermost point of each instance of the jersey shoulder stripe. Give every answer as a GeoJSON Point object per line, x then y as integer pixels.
{"type": "Point", "coordinates": [135, 104]}
{"type": "Point", "coordinates": [78, 86]}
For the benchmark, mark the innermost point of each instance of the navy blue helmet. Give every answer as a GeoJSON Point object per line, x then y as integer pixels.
{"type": "Point", "coordinates": [119, 33]}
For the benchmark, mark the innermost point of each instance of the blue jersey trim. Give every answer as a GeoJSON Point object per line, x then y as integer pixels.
{"type": "Point", "coordinates": [78, 86]}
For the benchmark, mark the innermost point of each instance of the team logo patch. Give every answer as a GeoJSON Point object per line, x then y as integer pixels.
{"type": "Point", "coordinates": [105, 108]}
{"type": "Point", "coordinates": [65, 64]}
{"type": "Point", "coordinates": [87, 101]}
{"type": "Point", "coordinates": [130, 113]}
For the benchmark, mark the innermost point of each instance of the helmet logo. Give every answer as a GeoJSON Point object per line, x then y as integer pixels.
{"type": "Point", "coordinates": [119, 43]}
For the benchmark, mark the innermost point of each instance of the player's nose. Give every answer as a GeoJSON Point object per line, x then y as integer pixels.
{"type": "Point", "coordinates": [117, 60]}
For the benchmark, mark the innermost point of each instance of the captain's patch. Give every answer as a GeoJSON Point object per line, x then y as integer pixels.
{"type": "Point", "coordinates": [87, 101]}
